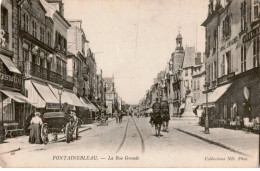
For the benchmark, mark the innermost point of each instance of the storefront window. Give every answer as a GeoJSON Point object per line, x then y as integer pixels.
{"type": "Point", "coordinates": [8, 109]}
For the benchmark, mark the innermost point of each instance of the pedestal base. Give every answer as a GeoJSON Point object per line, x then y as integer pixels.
{"type": "Point", "coordinates": [188, 108]}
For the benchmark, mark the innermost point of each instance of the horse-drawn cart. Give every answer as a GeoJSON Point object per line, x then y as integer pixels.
{"type": "Point", "coordinates": [58, 122]}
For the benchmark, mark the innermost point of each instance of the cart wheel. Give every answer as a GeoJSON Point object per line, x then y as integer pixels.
{"type": "Point", "coordinates": [67, 133]}
{"type": "Point", "coordinates": [77, 133]}
{"type": "Point", "coordinates": [44, 133]}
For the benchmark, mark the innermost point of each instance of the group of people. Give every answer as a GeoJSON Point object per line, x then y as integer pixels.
{"type": "Point", "coordinates": [119, 116]}
{"type": "Point", "coordinates": [160, 116]}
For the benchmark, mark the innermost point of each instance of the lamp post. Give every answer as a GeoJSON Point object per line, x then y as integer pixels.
{"type": "Point", "coordinates": [207, 114]}
{"type": "Point", "coordinates": [60, 90]}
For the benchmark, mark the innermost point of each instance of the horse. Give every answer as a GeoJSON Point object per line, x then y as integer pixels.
{"type": "Point", "coordinates": [157, 121]}
{"type": "Point", "coordinates": [165, 121]}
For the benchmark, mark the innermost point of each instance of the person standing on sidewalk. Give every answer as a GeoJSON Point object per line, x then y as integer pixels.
{"type": "Point", "coordinates": [35, 132]}
{"type": "Point", "coordinates": [199, 113]}
{"type": "Point", "coordinates": [116, 116]}
{"type": "Point", "coordinates": [120, 115]}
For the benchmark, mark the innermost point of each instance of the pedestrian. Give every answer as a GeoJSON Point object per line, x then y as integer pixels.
{"type": "Point", "coordinates": [66, 108]}
{"type": "Point", "coordinates": [166, 115]}
{"type": "Point", "coordinates": [120, 115]}
{"type": "Point", "coordinates": [35, 133]}
{"type": "Point", "coordinates": [116, 116]}
{"type": "Point", "coordinates": [156, 110]}
{"type": "Point", "coordinates": [199, 113]}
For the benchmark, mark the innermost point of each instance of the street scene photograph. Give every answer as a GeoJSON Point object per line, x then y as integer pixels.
{"type": "Point", "coordinates": [129, 83]}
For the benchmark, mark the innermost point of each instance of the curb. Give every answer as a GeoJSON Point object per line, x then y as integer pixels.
{"type": "Point", "coordinates": [85, 129]}
{"type": "Point", "coordinates": [214, 142]}
{"type": "Point", "coordinates": [21, 148]}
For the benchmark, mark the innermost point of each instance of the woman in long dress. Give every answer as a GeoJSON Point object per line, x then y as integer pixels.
{"type": "Point", "coordinates": [35, 132]}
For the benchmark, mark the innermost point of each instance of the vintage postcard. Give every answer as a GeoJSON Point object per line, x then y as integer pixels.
{"type": "Point", "coordinates": [129, 83]}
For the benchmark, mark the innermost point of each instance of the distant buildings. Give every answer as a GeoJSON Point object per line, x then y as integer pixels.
{"type": "Point", "coordinates": [110, 94]}
{"type": "Point", "coordinates": [182, 79]}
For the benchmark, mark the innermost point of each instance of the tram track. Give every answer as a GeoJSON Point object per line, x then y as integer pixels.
{"type": "Point", "coordinates": [126, 133]}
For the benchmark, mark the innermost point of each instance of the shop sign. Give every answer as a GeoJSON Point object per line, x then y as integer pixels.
{"type": "Point", "coordinates": [52, 106]}
{"type": "Point", "coordinates": [14, 79]}
{"type": "Point", "coordinates": [255, 32]}
{"type": "Point", "coordinates": [228, 44]}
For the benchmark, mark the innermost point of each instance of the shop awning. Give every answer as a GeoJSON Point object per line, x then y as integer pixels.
{"type": "Point", "coordinates": [9, 64]}
{"type": "Point", "coordinates": [33, 95]}
{"type": "Point", "coordinates": [93, 107]}
{"type": "Point", "coordinates": [89, 105]}
{"type": "Point", "coordinates": [74, 99]}
{"type": "Point", "coordinates": [45, 92]}
{"type": "Point", "coordinates": [97, 106]}
{"type": "Point", "coordinates": [84, 102]}
{"type": "Point", "coordinates": [64, 98]}
{"type": "Point", "coordinates": [217, 93]}
{"type": "Point", "coordinates": [17, 97]}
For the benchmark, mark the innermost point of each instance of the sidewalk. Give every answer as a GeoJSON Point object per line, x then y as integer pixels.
{"type": "Point", "coordinates": [235, 140]}
{"type": "Point", "coordinates": [21, 142]}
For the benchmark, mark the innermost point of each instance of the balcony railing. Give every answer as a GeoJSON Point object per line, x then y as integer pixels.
{"type": "Point", "coordinates": [32, 69]}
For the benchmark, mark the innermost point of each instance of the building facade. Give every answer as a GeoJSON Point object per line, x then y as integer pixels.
{"type": "Point", "coordinates": [77, 58]}
{"type": "Point", "coordinates": [198, 78]}
{"type": "Point", "coordinates": [110, 94]}
{"type": "Point", "coordinates": [11, 81]}
{"type": "Point", "coordinates": [232, 58]}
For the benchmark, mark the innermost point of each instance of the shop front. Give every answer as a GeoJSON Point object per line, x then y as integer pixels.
{"type": "Point", "coordinates": [92, 111]}
{"type": "Point", "coordinates": [239, 99]}
{"type": "Point", "coordinates": [243, 97]}
{"type": "Point", "coordinates": [12, 102]}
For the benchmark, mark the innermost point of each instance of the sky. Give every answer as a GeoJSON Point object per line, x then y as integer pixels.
{"type": "Point", "coordinates": [134, 39]}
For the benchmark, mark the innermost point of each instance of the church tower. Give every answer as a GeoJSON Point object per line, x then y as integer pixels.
{"type": "Point", "coordinates": [179, 42]}
{"type": "Point", "coordinates": [178, 55]}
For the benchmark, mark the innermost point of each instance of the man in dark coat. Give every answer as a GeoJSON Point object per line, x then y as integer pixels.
{"type": "Point", "coordinates": [165, 115]}
{"type": "Point", "coordinates": [156, 110]}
